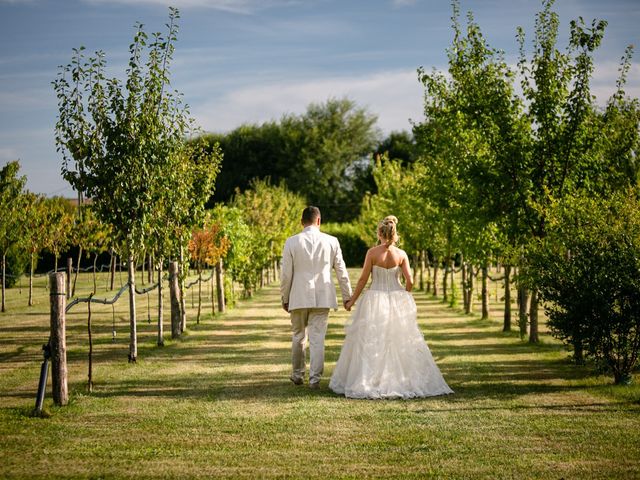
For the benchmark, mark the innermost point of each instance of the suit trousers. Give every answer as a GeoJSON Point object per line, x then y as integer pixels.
{"type": "Point", "coordinates": [312, 322]}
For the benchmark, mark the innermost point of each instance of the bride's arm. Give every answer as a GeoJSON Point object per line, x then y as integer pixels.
{"type": "Point", "coordinates": [406, 273]}
{"type": "Point", "coordinates": [362, 281]}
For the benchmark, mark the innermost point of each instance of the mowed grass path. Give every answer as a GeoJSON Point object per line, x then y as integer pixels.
{"type": "Point", "coordinates": [218, 403]}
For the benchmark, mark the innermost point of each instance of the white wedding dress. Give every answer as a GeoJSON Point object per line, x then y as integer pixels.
{"type": "Point", "coordinates": [384, 353]}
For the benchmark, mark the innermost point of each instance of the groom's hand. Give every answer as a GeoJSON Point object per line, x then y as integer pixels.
{"type": "Point", "coordinates": [347, 305]}
{"type": "Point", "coordinates": [286, 307]}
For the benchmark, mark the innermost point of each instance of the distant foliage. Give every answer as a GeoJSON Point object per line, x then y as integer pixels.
{"type": "Point", "coordinates": [354, 248]}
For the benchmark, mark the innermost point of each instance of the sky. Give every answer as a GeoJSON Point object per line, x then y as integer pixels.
{"type": "Point", "coordinates": [251, 61]}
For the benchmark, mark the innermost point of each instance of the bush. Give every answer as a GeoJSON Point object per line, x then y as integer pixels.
{"type": "Point", "coordinates": [17, 265]}
{"type": "Point", "coordinates": [353, 247]}
{"type": "Point", "coordinates": [587, 270]}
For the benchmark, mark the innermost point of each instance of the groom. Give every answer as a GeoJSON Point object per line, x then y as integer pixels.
{"type": "Point", "coordinates": [308, 292]}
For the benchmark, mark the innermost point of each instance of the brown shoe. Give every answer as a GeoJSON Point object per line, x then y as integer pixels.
{"type": "Point", "coordinates": [314, 386]}
{"type": "Point", "coordinates": [296, 381]}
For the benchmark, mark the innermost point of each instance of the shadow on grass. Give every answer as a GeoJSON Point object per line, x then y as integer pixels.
{"type": "Point", "coordinates": [250, 357]}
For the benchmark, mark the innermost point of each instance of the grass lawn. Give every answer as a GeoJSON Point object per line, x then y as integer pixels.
{"type": "Point", "coordinates": [218, 403]}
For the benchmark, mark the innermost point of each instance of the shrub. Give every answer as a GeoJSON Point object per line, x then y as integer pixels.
{"type": "Point", "coordinates": [587, 270]}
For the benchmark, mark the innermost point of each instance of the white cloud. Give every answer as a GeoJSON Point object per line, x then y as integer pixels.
{"type": "Point", "coordinates": [403, 3]}
{"type": "Point", "coordinates": [8, 155]}
{"type": "Point", "coordinates": [394, 96]}
{"type": "Point", "coordinates": [233, 6]}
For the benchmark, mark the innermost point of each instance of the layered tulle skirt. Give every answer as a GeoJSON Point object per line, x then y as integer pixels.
{"type": "Point", "coordinates": [384, 353]}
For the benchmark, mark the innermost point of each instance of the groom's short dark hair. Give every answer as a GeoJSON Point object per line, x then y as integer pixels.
{"type": "Point", "coordinates": [310, 214]}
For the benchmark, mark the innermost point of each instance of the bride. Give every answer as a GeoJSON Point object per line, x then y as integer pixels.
{"type": "Point", "coordinates": [384, 353]}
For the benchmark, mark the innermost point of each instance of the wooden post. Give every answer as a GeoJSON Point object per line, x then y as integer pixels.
{"type": "Point", "coordinates": [69, 273]}
{"type": "Point", "coordinates": [174, 292]}
{"type": "Point", "coordinates": [220, 286]}
{"type": "Point", "coordinates": [57, 340]}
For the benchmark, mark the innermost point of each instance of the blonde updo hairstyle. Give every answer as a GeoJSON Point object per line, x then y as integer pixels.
{"type": "Point", "coordinates": [387, 230]}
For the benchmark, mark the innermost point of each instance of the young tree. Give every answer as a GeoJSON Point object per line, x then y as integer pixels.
{"type": "Point", "coordinates": [59, 220]}
{"type": "Point", "coordinates": [273, 214]}
{"type": "Point", "coordinates": [137, 139]}
{"type": "Point", "coordinates": [11, 213]}
{"type": "Point", "coordinates": [35, 228]}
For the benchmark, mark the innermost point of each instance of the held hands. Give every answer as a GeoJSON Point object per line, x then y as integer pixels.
{"type": "Point", "coordinates": [348, 304]}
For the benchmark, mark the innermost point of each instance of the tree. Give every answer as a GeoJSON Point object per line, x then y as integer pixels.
{"type": "Point", "coordinates": [587, 270]}
{"type": "Point", "coordinates": [398, 146]}
{"type": "Point", "coordinates": [272, 214]}
{"type": "Point", "coordinates": [11, 213]}
{"type": "Point", "coordinates": [136, 140]}
{"type": "Point", "coordinates": [334, 140]}
{"type": "Point", "coordinates": [562, 157]}
{"type": "Point", "coordinates": [35, 228]}
{"type": "Point", "coordinates": [59, 220]}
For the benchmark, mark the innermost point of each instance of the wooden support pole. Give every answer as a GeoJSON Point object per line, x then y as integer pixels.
{"type": "Point", "coordinates": [57, 340]}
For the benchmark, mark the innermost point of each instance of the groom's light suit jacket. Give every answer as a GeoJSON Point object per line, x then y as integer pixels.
{"type": "Point", "coordinates": [307, 260]}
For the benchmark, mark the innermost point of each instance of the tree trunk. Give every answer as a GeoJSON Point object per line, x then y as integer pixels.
{"type": "Point", "coordinates": [435, 278]}
{"type": "Point", "coordinates": [90, 375]}
{"type": "Point", "coordinates": [55, 263]}
{"type": "Point", "coordinates": [4, 278]}
{"type": "Point", "coordinates": [427, 287]}
{"type": "Point", "coordinates": [174, 293]}
{"type": "Point", "coordinates": [160, 309]}
{"type": "Point", "coordinates": [507, 299]}
{"type": "Point", "coordinates": [523, 309]}
{"type": "Point", "coordinates": [69, 273]}
{"type": "Point", "coordinates": [465, 290]}
{"type": "Point", "coordinates": [452, 277]}
{"type": "Point", "coordinates": [485, 292]}
{"type": "Point", "coordinates": [415, 270]}
{"type": "Point", "coordinates": [213, 293]}
{"type": "Point", "coordinates": [133, 333]}
{"type": "Point", "coordinates": [470, 285]}
{"type": "Point", "coordinates": [58, 339]}
{"type": "Point", "coordinates": [183, 300]}
{"type": "Point", "coordinates": [220, 286]}
{"type": "Point", "coordinates": [143, 264]}
{"type": "Point", "coordinates": [533, 318]}
{"type": "Point", "coordinates": [31, 269]}
{"type": "Point", "coordinates": [422, 269]}
{"type": "Point", "coordinates": [445, 280]}
{"type": "Point", "coordinates": [95, 274]}
{"type": "Point", "coordinates": [200, 295]}
{"type": "Point", "coordinates": [275, 269]}
{"type": "Point", "coordinates": [150, 269]}
{"type": "Point", "coordinates": [75, 277]}
{"type": "Point", "coordinates": [112, 268]}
